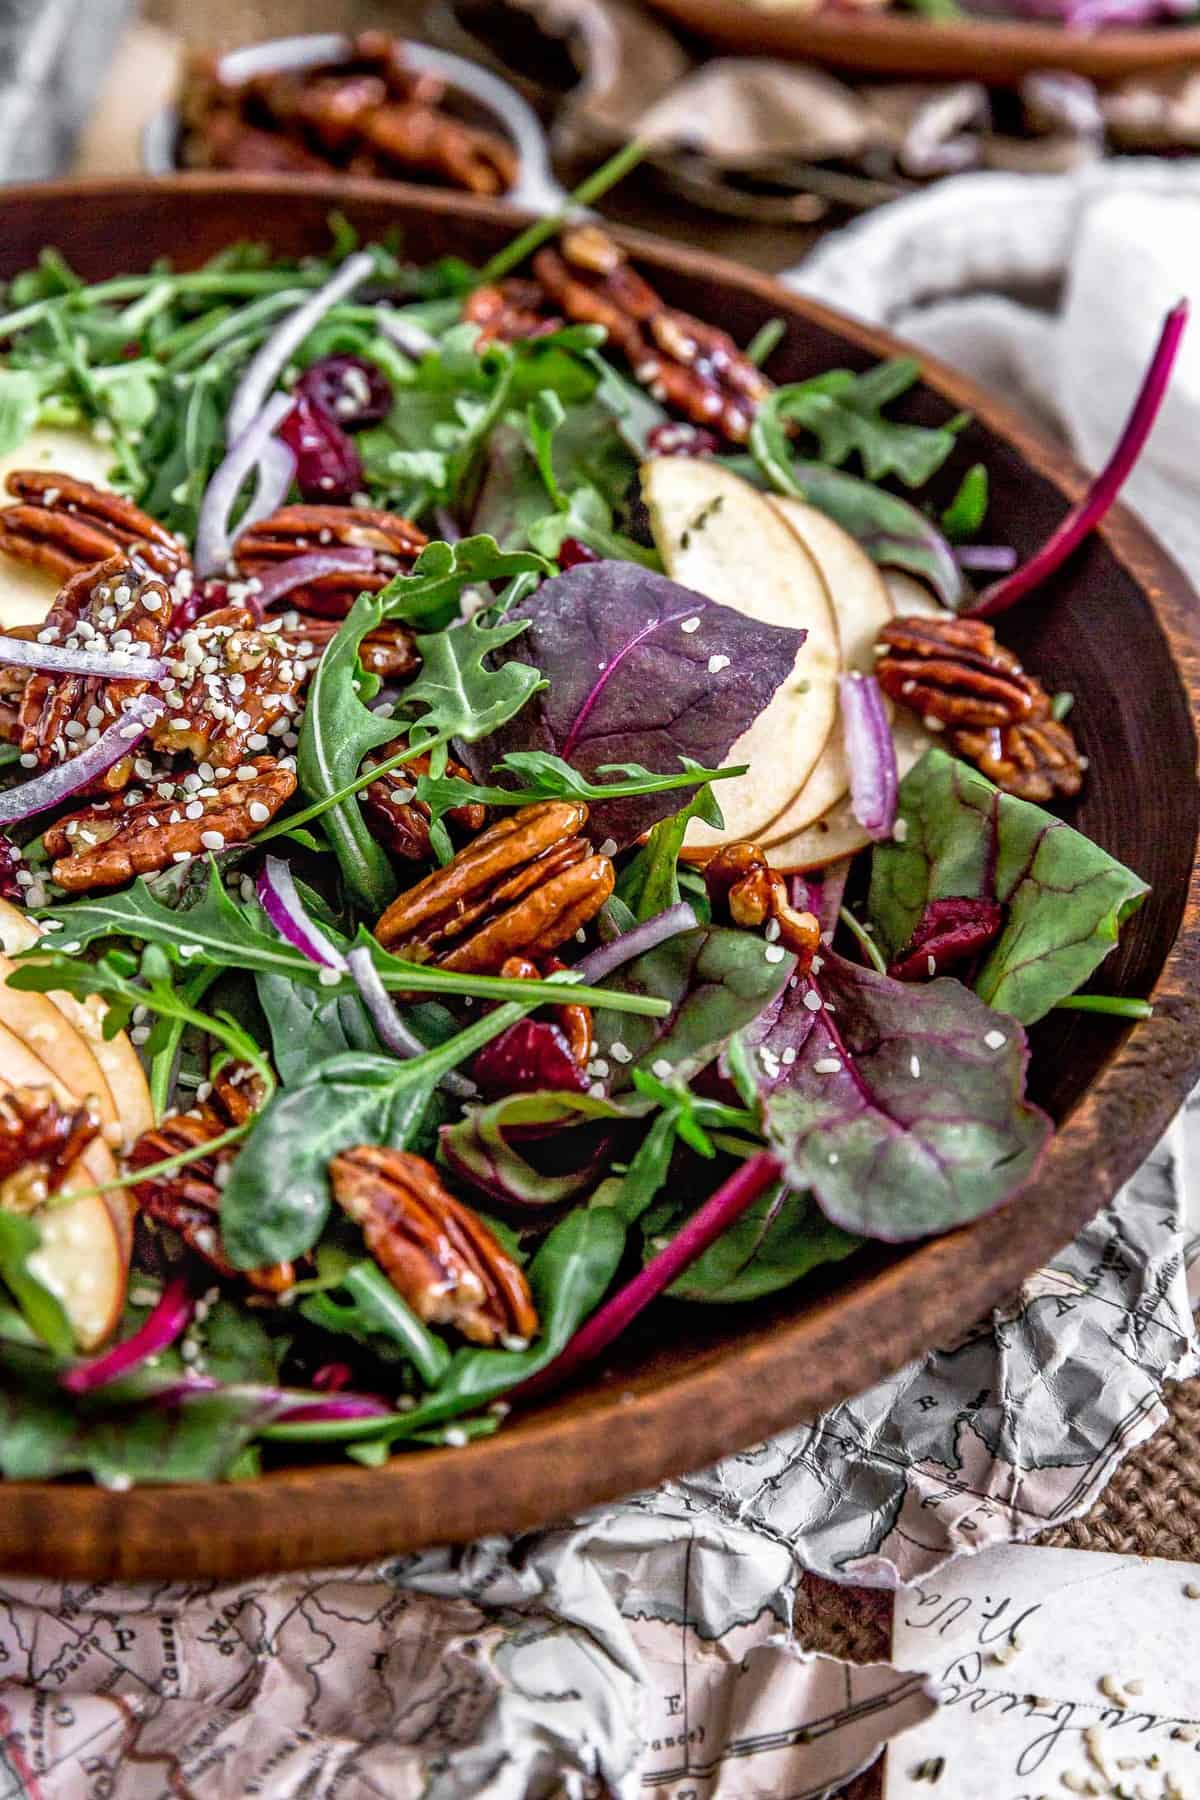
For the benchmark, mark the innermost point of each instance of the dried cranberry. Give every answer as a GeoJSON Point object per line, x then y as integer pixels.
{"type": "Point", "coordinates": [572, 552]}
{"type": "Point", "coordinates": [530, 1056]}
{"type": "Point", "coordinates": [331, 1376]}
{"type": "Point", "coordinates": [205, 597]}
{"type": "Point", "coordinates": [949, 933]}
{"type": "Point", "coordinates": [10, 862]}
{"type": "Point", "coordinates": [355, 393]}
{"type": "Point", "coordinates": [678, 439]}
{"type": "Point", "coordinates": [328, 467]}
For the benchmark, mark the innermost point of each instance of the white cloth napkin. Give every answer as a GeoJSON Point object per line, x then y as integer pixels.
{"type": "Point", "coordinates": [1109, 249]}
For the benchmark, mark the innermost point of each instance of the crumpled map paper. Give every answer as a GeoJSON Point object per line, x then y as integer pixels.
{"type": "Point", "coordinates": [1056, 1669]}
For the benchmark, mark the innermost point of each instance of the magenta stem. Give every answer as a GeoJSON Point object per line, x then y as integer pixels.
{"type": "Point", "coordinates": [718, 1213]}
{"type": "Point", "coordinates": [1088, 512]}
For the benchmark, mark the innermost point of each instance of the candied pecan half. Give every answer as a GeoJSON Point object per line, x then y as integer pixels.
{"type": "Point", "coordinates": [39, 1141]}
{"type": "Point", "coordinates": [294, 529]}
{"type": "Point", "coordinates": [437, 1254]}
{"type": "Point", "coordinates": [121, 605]}
{"type": "Point", "coordinates": [65, 525]}
{"type": "Point", "coordinates": [954, 671]}
{"type": "Point", "coordinates": [694, 367]}
{"type": "Point", "coordinates": [188, 1199]}
{"type": "Point", "coordinates": [510, 310]}
{"type": "Point", "coordinates": [390, 651]}
{"type": "Point", "coordinates": [112, 841]}
{"type": "Point", "coordinates": [398, 819]}
{"type": "Point", "coordinates": [235, 686]}
{"type": "Point", "coordinates": [740, 881]}
{"type": "Point", "coordinates": [1035, 759]}
{"type": "Point", "coordinates": [522, 887]}
{"type": "Point", "coordinates": [412, 135]}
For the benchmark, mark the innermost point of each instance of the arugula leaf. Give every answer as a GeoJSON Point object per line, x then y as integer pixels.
{"type": "Point", "coordinates": [844, 412]}
{"type": "Point", "coordinates": [716, 979]}
{"type": "Point", "coordinates": [42, 1310]}
{"type": "Point", "coordinates": [276, 1202]}
{"type": "Point", "coordinates": [777, 1242]}
{"type": "Point", "coordinates": [373, 1313]}
{"type": "Point", "coordinates": [1065, 898]}
{"type": "Point", "coordinates": [649, 882]}
{"type": "Point", "coordinates": [19, 400]}
{"type": "Point", "coordinates": [456, 695]}
{"type": "Point", "coordinates": [968, 509]}
{"type": "Point", "coordinates": [339, 730]}
{"type": "Point", "coordinates": [625, 654]}
{"type": "Point", "coordinates": [901, 1107]}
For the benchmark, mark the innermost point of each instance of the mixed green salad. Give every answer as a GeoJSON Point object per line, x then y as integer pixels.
{"type": "Point", "coordinates": [508, 814]}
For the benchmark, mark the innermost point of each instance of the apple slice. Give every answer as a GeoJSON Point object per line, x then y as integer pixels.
{"type": "Point", "coordinates": [910, 596]}
{"type": "Point", "coordinates": [862, 607]}
{"type": "Point", "coordinates": [721, 537]}
{"type": "Point", "coordinates": [119, 1062]}
{"type": "Point", "coordinates": [47, 1032]}
{"type": "Point", "coordinates": [26, 594]}
{"type": "Point", "coordinates": [82, 1261]}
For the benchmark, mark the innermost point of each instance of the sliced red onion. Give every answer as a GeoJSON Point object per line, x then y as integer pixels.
{"type": "Point", "coordinates": [246, 451]}
{"type": "Point", "coordinates": [333, 1407]}
{"type": "Point", "coordinates": [447, 525]}
{"type": "Point", "coordinates": [169, 1319]}
{"type": "Point", "coordinates": [117, 665]}
{"type": "Point", "coordinates": [67, 778]}
{"type": "Point", "coordinates": [871, 754]}
{"type": "Point", "coordinates": [298, 571]}
{"type": "Point", "coordinates": [269, 362]}
{"type": "Point", "coordinates": [705, 1226]}
{"type": "Point", "coordinates": [821, 893]}
{"type": "Point", "coordinates": [283, 906]}
{"type": "Point", "coordinates": [393, 1033]}
{"type": "Point", "coordinates": [668, 924]}
{"type": "Point", "coordinates": [1088, 512]}
{"type": "Point", "coordinates": [988, 559]}
{"type": "Point", "coordinates": [406, 334]}
{"type": "Point", "coordinates": [275, 474]}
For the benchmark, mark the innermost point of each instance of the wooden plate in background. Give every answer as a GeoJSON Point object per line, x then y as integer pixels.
{"type": "Point", "coordinates": [895, 43]}
{"type": "Point", "coordinates": [1119, 628]}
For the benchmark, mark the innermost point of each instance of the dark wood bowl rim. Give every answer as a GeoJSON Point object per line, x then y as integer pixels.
{"type": "Point", "coordinates": [898, 43]}
{"type": "Point", "coordinates": [609, 1440]}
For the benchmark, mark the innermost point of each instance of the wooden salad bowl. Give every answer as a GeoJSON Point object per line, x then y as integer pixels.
{"type": "Point", "coordinates": [1119, 627]}
{"type": "Point", "coordinates": [998, 51]}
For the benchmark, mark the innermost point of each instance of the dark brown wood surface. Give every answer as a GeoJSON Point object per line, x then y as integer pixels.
{"type": "Point", "coordinates": [895, 43]}
{"type": "Point", "coordinates": [1120, 628]}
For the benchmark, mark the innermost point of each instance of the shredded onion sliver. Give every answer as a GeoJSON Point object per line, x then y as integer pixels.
{"type": "Point", "coordinates": [298, 571]}
{"type": "Point", "coordinates": [213, 533]}
{"type": "Point", "coordinates": [871, 754]}
{"type": "Point", "coordinates": [667, 924]}
{"type": "Point", "coordinates": [66, 778]}
{"type": "Point", "coordinates": [393, 1033]}
{"type": "Point", "coordinates": [168, 1320]}
{"type": "Point", "coordinates": [116, 665]}
{"type": "Point", "coordinates": [705, 1226]}
{"type": "Point", "coordinates": [272, 358]}
{"type": "Point", "coordinates": [282, 904]}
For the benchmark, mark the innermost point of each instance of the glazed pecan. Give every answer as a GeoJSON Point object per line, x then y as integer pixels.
{"type": "Point", "coordinates": [122, 605]}
{"type": "Point", "coordinates": [112, 841]}
{"type": "Point", "coordinates": [65, 525]}
{"type": "Point", "coordinates": [390, 651]}
{"type": "Point", "coordinates": [1035, 759]}
{"type": "Point", "coordinates": [188, 1199]}
{"type": "Point", "coordinates": [954, 671]}
{"type": "Point", "coordinates": [694, 367]}
{"type": "Point", "coordinates": [295, 529]}
{"type": "Point", "coordinates": [38, 1143]}
{"type": "Point", "coordinates": [398, 819]}
{"type": "Point", "coordinates": [437, 1254]}
{"type": "Point", "coordinates": [510, 310]}
{"type": "Point", "coordinates": [741, 882]}
{"type": "Point", "coordinates": [235, 686]}
{"type": "Point", "coordinates": [522, 887]}
{"type": "Point", "coordinates": [412, 135]}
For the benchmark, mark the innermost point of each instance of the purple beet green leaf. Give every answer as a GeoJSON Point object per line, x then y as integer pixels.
{"type": "Point", "coordinates": [626, 656]}
{"type": "Point", "coordinates": [1063, 897]}
{"type": "Point", "coordinates": [901, 1108]}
